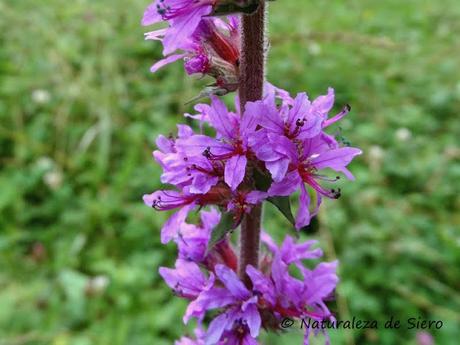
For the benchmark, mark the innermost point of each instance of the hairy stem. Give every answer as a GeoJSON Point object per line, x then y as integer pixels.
{"type": "Point", "coordinates": [251, 89]}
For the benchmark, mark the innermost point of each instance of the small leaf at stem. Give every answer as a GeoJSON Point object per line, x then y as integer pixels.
{"type": "Point", "coordinates": [311, 228]}
{"type": "Point", "coordinates": [232, 7]}
{"type": "Point", "coordinates": [262, 180]}
{"type": "Point", "coordinates": [284, 205]}
{"type": "Point", "coordinates": [226, 224]}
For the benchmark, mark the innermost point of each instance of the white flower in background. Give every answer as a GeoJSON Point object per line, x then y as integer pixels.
{"type": "Point", "coordinates": [41, 96]}
{"type": "Point", "coordinates": [376, 155]}
{"type": "Point", "coordinates": [97, 285]}
{"type": "Point", "coordinates": [53, 179]}
{"type": "Point", "coordinates": [403, 134]}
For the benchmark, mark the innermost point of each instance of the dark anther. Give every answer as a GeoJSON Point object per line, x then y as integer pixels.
{"type": "Point", "coordinates": [207, 152]}
{"type": "Point", "coordinates": [300, 122]}
{"type": "Point", "coordinates": [347, 107]}
{"type": "Point", "coordinates": [185, 159]}
{"type": "Point", "coordinates": [337, 177]}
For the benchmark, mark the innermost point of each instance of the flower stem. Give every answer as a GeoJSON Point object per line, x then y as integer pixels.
{"type": "Point", "coordinates": [251, 89]}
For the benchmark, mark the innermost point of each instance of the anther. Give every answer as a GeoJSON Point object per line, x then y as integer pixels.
{"type": "Point", "coordinates": [207, 152]}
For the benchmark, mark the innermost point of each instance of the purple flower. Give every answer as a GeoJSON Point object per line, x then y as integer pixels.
{"type": "Point", "coordinates": [424, 338]}
{"type": "Point", "coordinates": [213, 49]}
{"type": "Point", "coordinates": [241, 316]}
{"type": "Point", "coordinates": [183, 17]}
{"type": "Point", "coordinates": [231, 147]}
{"type": "Point", "coordinates": [192, 240]}
{"type": "Point", "coordinates": [296, 120]}
{"type": "Point", "coordinates": [286, 296]}
{"type": "Point", "coordinates": [275, 294]}
{"type": "Point", "coordinates": [186, 280]}
{"type": "Point", "coordinates": [306, 159]}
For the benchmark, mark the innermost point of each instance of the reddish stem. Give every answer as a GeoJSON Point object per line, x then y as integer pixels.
{"type": "Point", "coordinates": [251, 89]}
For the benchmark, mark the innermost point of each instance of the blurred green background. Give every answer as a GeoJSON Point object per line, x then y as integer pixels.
{"type": "Point", "coordinates": [79, 111]}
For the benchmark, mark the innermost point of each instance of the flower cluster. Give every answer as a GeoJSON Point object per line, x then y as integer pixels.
{"type": "Point", "coordinates": [285, 143]}
{"type": "Point", "coordinates": [230, 162]}
{"type": "Point", "coordinates": [274, 293]}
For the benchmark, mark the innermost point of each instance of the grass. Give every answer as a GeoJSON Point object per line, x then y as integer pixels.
{"type": "Point", "coordinates": [79, 113]}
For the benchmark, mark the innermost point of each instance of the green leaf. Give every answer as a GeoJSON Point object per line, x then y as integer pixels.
{"type": "Point", "coordinates": [226, 224]}
{"type": "Point", "coordinates": [262, 180]}
{"type": "Point", "coordinates": [284, 205]}
{"type": "Point", "coordinates": [313, 227]}
{"type": "Point", "coordinates": [230, 7]}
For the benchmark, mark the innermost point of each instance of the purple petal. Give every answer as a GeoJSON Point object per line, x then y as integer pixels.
{"type": "Point", "coordinates": [216, 328]}
{"type": "Point", "coordinates": [202, 184]}
{"type": "Point", "coordinates": [255, 197]}
{"type": "Point", "coordinates": [320, 282]}
{"type": "Point", "coordinates": [252, 317]}
{"type": "Point", "coordinates": [166, 61]}
{"type": "Point", "coordinates": [220, 118]}
{"type": "Point", "coordinates": [210, 218]}
{"type": "Point", "coordinates": [303, 214]}
{"type": "Point", "coordinates": [186, 278]}
{"type": "Point", "coordinates": [262, 284]}
{"type": "Point", "coordinates": [287, 186]}
{"type": "Point", "coordinates": [184, 131]}
{"type": "Point", "coordinates": [293, 252]}
{"type": "Point", "coordinates": [335, 159]}
{"type": "Point", "coordinates": [182, 28]}
{"type": "Point", "coordinates": [278, 168]}
{"type": "Point", "coordinates": [323, 104]}
{"type": "Point", "coordinates": [265, 114]}
{"type": "Point", "coordinates": [207, 300]}
{"type": "Point", "coordinates": [170, 229]}
{"type": "Point", "coordinates": [284, 146]}
{"type": "Point", "coordinates": [269, 242]}
{"type": "Point", "coordinates": [235, 169]}
{"type": "Point", "coordinates": [232, 282]}
{"type": "Point", "coordinates": [151, 15]}
{"type": "Point", "coordinates": [197, 144]}
{"type": "Point", "coordinates": [298, 110]}
{"type": "Point", "coordinates": [165, 144]}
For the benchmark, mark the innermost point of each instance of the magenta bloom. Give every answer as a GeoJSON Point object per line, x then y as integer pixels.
{"type": "Point", "coordinates": [183, 17]}
{"type": "Point", "coordinates": [306, 159]}
{"type": "Point", "coordinates": [295, 149]}
{"type": "Point", "coordinates": [286, 296]}
{"type": "Point", "coordinates": [241, 318]}
{"type": "Point", "coordinates": [275, 293]}
{"type": "Point", "coordinates": [212, 49]}
{"type": "Point", "coordinates": [231, 147]}
{"type": "Point", "coordinates": [186, 280]}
